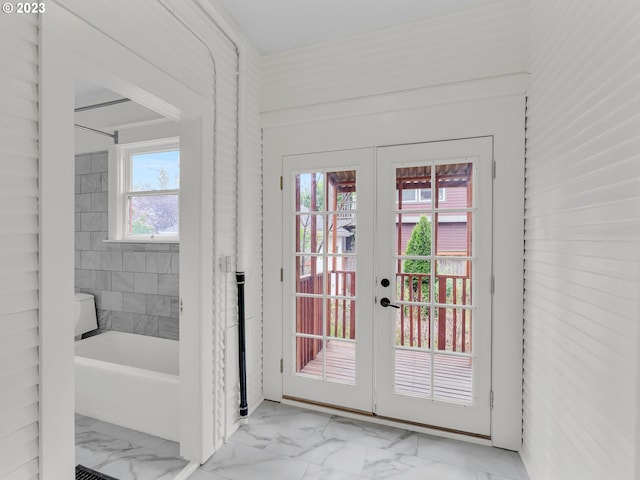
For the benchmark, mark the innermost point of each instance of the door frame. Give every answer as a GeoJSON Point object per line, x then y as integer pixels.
{"type": "Point", "coordinates": [120, 70]}
{"type": "Point", "coordinates": [491, 107]}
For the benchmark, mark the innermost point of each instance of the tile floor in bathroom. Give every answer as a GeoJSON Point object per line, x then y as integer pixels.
{"type": "Point", "coordinates": [289, 443]}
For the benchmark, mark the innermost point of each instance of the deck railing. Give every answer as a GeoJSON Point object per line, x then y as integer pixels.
{"type": "Point", "coordinates": [452, 329]}
{"type": "Point", "coordinates": [453, 324]}
{"type": "Point", "coordinates": [339, 313]}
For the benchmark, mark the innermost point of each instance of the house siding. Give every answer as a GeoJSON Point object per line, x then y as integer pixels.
{"type": "Point", "coordinates": [582, 265]}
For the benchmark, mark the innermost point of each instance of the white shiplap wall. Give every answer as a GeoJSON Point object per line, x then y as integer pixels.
{"type": "Point", "coordinates": [222, 37]}
{"type": "Point", "coordinates": [19, 339]}
{"type": "Point", "coordinates": [582, 263]}
{"type": "Point", "coordinates": [483, 40]}
{"type": "Point", "coordinates": [251, 177]}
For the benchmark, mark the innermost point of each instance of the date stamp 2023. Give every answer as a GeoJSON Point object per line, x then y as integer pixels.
{"type": "Point", "coordinates": [24, 7]}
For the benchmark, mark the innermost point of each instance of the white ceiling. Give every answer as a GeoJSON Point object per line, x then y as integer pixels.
{"type": "Point", "coordinates": [276, 25]}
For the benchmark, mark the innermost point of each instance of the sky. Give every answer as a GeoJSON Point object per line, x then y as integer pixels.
{"type": "Point", "coordinates": [147, 167]}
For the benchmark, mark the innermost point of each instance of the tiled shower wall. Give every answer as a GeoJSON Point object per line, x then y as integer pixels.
{"type": "Point", "coordinates": [135, 285]}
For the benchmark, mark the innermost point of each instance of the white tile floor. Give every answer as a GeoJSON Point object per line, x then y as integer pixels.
{"type": "Point", "coordinates": [125, 454]}
{"type": "Point", "coordinates": [288, 443]}
{"type": "Point", "coordinates": [284, 442]}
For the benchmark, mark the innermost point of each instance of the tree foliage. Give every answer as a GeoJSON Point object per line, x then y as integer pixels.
{"type": "Point", "coordinates": [419, 245]}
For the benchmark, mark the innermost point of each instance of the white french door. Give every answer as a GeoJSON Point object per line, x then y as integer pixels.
{"type": "Point", "coordinates": [387, 281]}
{"type": "Point", "coordinates": [328, 272]}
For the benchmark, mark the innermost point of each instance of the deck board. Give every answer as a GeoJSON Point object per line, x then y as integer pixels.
{"type": "Point", "coordinates": [452, 375]}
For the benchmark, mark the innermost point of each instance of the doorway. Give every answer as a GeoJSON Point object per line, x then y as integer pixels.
{"type": "Point", "coordinates": [387, 281]}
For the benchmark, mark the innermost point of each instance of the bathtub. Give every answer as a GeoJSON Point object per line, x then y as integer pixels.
{"type": "Point", "coordinates": [129, 380]}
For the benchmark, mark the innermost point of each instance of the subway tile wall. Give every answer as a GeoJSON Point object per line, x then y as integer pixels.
{"type": "Point", "coordinates": [135, 284]}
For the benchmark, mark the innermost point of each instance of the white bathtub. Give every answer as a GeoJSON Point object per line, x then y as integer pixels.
{"type": "Point", "coordinates": [129, 380]}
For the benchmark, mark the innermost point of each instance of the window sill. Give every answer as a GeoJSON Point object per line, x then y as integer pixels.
{"type": "Point", "coordinates": [143, 240]}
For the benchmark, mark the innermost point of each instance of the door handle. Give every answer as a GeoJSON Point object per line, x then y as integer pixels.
{"type": "Point", "coordinates": [385, 302]}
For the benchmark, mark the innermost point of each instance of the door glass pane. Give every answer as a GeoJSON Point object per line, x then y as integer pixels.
{"type": "Point", "coordinates": [453, 234]}
{"type": "Point", "coordinates": [452, 329]}
{"type": "Point", "coordinates": [309, 277]}
{"type": "Point", "coordinates": [412, 326]}
{"type": "Point", "coordinates": [325, 263]}
{"type": "Point", "coordinates": [455, 180]}
{"type": "Point", "coordinates": [341, 361]}
{"type": "Point", "coordinates": [308, 309]}
{"type": "Point", "coordinates": [310, 192]}
{"type": "Point", "coordinates": [433, 263]}
{"type": "Point", "coordinates": [453, 282]}
{"type": "Point", "coordinates": [310, 230]}
{"type": "Point", "coordinates": [412, 373]}
{"type": "Point", "coordinates": [452, 379]}
{"type": "Point", "coordinates": [307, 350]}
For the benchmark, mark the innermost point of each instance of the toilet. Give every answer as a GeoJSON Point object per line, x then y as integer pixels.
{"type": "Point", "coordinates": [86, 319]}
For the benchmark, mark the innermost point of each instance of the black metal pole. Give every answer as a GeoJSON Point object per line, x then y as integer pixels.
{"type": "Point", "coordinates": [244, 408]}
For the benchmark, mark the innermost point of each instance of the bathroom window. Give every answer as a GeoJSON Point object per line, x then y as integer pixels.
{"type": "Point", "coordinates": [144, 191]}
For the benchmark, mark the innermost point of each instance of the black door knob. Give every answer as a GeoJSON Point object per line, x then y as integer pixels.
{"type": "Point", "coordinates": [385, 282]}
{"type": "Point", "coordinates": [385, 302]}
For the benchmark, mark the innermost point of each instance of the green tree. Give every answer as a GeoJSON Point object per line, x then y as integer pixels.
{"type": "Point", "coordinates": [419, 245]}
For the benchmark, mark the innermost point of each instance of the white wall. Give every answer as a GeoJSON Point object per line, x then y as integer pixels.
{"type": "Point", "coordinates": [19, 266]}
{"type": "Point", "coordinates": [452, 76]}
{"type": "Point", "coordinates": [470, 43]}
{"type": "Point", "coordinates": [582, 264]}
{"type": "Point", "coordinates": [173, 54]}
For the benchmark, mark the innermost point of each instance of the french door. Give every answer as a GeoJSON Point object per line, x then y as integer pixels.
{"type": "Point", "coordinates": [387, 281]}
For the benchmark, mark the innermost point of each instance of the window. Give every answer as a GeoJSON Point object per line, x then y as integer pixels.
{"type": "Point", "coordinates": [422, 195]}
{"type": "Point", "coordinates": [144, 191]}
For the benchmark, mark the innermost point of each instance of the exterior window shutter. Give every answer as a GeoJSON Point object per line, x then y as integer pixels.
{"type": "Point", "coordinates": [19, 338]}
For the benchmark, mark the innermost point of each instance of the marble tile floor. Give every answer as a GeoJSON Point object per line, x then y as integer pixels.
{"type": "Point", "coordinates": [289, 443]}
{"type": "Point", "coordinates": [282, 442]}
{"type": "Point", "coordinates": [125, 454]}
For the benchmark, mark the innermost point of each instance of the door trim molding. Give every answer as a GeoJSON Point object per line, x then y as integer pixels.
{"type": "Point", "coordinates": [500, 114]}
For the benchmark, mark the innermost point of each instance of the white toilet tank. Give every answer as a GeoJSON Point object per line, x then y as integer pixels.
{"type": "Point", "coordinates": [85, 313]}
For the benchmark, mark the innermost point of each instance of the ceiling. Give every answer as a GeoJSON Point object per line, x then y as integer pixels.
{"type": "Point", "coordinates": [276, 25]}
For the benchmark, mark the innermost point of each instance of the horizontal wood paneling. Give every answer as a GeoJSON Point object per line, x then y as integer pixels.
{"type": "Point", "coordinates": [480, 41]}
{"type": "Point", "coordinates": [168, 47]}
{"type": "Point", "coordinates": [582, 263]}
{"type": "Point", "coordinates": [19, 340]}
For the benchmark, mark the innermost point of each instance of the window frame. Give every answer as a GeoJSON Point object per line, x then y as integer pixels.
{"type": "Point", "coordinates": [120, 190]}
{"type": "Point", "coordinates": [442, 194]}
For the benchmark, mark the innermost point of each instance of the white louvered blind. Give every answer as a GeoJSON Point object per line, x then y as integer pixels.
{"type": "Point", "coordinates": [19, 247]}
{"type": "Point", "coordinates": [582, 263]}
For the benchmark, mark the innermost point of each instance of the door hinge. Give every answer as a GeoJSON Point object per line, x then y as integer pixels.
{"type": "Point", "coordinates": [281, 366]}
{"type": "Point", "coordinates": [281, 182]}
{"type": "Point", "coordinates": [493, 284]}
{"type": "Point", "coordinates": [493, 169]}
{"type": "Point", "coordinates": [282, 274]}
{"type": "Point", "coordinates": [491, 399]}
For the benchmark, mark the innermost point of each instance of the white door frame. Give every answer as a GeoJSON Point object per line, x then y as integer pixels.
{"type": "Point", "coordinates": [490, 107]}
{"type": "Point", "coordinates": [64, 41]}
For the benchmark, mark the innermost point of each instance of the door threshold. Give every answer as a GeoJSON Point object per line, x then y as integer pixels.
{"type": "Point", "coordinates": [355, 414]}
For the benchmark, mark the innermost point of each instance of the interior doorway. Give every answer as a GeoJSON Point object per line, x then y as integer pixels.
{"type": "Point", "coordinates": [387, 282]}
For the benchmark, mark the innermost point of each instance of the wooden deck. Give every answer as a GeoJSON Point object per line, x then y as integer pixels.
{"type": "Point", "coordinates": [452, 375]}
